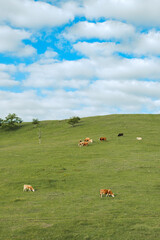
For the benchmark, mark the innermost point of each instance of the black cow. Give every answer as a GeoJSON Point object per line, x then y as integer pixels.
{"type": "Point", "coordinates": [120, 134]}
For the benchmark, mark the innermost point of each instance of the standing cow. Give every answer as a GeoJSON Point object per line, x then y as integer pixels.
{"type": "Point", "coordinates": [139, 138]}
{"type": "Point", "coordinates": [103, 139]}
{"type": "Point", "coordinates": [120, 134]}
{"type": "Point", "coordinates": [89, 140]}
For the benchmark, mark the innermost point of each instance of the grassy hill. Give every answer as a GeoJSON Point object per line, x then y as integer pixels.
{"type": "Point", "coordinates": [67, 179]}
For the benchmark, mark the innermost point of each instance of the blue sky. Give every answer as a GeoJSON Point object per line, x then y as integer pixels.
{"type": "Point", "coordinates": [60, 59]}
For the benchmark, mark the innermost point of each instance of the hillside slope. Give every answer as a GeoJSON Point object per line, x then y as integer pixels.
{"type": "Point", "coordinates": [67, 179]}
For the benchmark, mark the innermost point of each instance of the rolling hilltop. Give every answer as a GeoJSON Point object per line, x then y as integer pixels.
{"type": "Point", "coordinates": [67, 180]}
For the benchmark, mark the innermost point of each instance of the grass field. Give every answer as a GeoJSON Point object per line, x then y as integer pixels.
{"type": "Point", "coordinates": [67, 180]}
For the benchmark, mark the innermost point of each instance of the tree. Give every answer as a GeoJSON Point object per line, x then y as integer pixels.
{"type": "Point", "coordinates": [72, 121]}
{"type": "Point", "coordinates": [12, 121]}
{"type": "Point", "coordinates": [35, 121]}
{"type": "Point", "coordinates": [1, 121]}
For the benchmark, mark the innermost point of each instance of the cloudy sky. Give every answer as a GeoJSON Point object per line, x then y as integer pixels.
{"type": "Point", "coordinates": [65, 58]}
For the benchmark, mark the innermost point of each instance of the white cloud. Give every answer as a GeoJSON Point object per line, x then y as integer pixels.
{"type": "Point", "coordinates": [24, 51]}
{"type": "Point", "coordinates": [11, 41]}
{"type": "Point", "coordinates": [144, 12]}
{"type": "Point", "coordinates": [15, 102]}
{"type": "Point", "coordinates": [102, 30]}
{"type": "Point", "coordinates": [146, 44]}
{"type": "Point", "coordinates": [34, 14]}
{"type": "Point", "coordinates": [77, 74]}
{"type": "Point", "coordinates": [96, 49]}
{"type": "Point", "coordinates": [56, 105]}
{"type": "Point", "coordinates": [48, 57]}
{"type": "Point", "coordinates": [6, 81]}
{"type": "Point", "coordinates": [100, 98]}
{"type": "Point", "coordinates": [49, 54]}
{"type": "Point", "coordinates": [6, 72]}
{"type": "Point", "coordinates": [103, 82]}
{"type": "Point", "coordinates": [8, 68]}
{"type": "Point", "coordinates": [119, 68]}
{"type": "Point", "coordinates": [60, 74]}
{"type": "Point", "coordinates": [110, 66]}
{"type": "Point", "coordinates": [138, 89]}
{"type": "Point", "coordinates": [103, 97]}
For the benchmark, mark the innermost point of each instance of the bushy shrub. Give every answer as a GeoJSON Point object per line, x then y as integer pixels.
{"type": "Point", "coordinates": [74, 120]}
{"type": "Point", "coordinates": [35, 121]}
{"type": "Point", "coordinates": [12, 121]}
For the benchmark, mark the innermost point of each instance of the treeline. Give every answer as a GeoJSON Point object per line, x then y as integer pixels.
{"type": "Point", "coordinates": [12, 121]}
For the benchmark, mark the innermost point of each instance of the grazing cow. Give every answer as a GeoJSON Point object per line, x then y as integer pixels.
{"type": "Point", "coordinates": [120, 134]}
{"type": "Point", "coordinates": [139, 138]}
{"type": "Point", "coordinates": [103, 139]}
{"type": "Point", "coordinates": [106, 192]}
{"type": "Point", "coordinates": [28, 187]}
{"type": "Point", "coordinates": [87, 139]}
{"type": "Point", "coordinates": [83, 144]}
{"type": "Point", "coordinates": [80, 143]}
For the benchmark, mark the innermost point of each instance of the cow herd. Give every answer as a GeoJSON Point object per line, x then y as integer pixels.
{"type": "Point", "coordinates": [105, 192]}
{"type": "Point", "coordinates": [86, 142]}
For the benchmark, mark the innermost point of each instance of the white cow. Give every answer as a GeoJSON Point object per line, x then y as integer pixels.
{"type": "Point", "coordinates": [139, 138]}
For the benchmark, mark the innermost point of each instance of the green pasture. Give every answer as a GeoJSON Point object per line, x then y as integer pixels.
{"type": "Point", "coordinates": [67, 180]}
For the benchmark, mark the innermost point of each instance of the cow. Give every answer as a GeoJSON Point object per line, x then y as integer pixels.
{"type": "Point", "coordinates": [139, 138]}
{"type": "Point", "coordinates": [80, 143]}
{"type": "Point", "coordinates": [103, 139]}
{"type": "Point", "coordinates": [87, 139]}
{"type": "Point", "coordinates": [120, 134]}
{"type": "Point", "coordinates": [83, 144]}
{"type": "Point", "coordinates": [106, 192]}
{"type": "Point", "coordinates": [28, 187]}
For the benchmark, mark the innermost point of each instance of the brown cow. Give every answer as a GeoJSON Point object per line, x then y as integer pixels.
{"type": "Point", "coordinates": [106, 192]}
{"type": "Point", "coordinates": [103, 139]}
{"type": "Point", "coordinates": [80, 143]}
{"type": "Point", "coordinates": [87, 139]}
{"type": "Point", "coordinates": [83, 144]}
{"type": "Point", "coordinates": [28, 187]}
